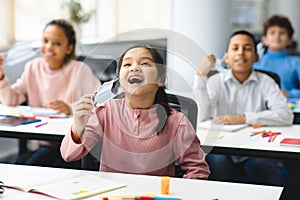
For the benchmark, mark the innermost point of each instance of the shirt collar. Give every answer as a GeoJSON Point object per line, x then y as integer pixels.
{"type": "Point", "coordinates": [229, 76]}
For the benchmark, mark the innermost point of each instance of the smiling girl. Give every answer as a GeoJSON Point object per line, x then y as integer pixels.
{"type": "Point", "coordinates": [139, 133]}
{"type": "Point", "coordinates": [54, 80]}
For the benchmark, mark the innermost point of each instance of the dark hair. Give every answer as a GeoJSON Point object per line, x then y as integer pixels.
{"type": "Point", "coordinates": [69, 32]}
{"type": "Point", "coordinates": [281, 21]}
{"type": "Point", "coordinates": [243, 32]}
{"type": "Point", "coordinates": [161, 97]}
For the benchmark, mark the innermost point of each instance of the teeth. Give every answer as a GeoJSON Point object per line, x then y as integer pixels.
{"type": "Point", "coordinates": [49, 54]}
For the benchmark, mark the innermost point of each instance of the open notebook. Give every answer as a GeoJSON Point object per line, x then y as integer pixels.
{"type": "Point", "coordinates": [207, 125]}
{"type": "Point", "coordinates": [57, 183]}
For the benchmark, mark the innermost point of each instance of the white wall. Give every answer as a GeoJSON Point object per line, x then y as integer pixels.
{"type": "Point", "coordinates": [6, 19]}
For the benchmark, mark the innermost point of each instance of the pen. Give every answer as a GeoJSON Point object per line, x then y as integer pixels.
{"type": "Point", "coordinates": [32, 121]}
{"type": "Point", "coordinates": [42, 124]}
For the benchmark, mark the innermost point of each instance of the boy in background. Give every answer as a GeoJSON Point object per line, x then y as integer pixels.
{"type": "Point", "coordinates": [278, 33]}
{"type": "Point", "coordinates": [241, 96]}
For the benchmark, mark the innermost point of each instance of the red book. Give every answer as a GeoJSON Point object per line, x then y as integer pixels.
{"type": "Point", "coordinates": [290, 142]}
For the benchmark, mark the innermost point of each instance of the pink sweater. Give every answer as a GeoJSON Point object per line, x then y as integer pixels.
{"type": "Point", "coordinates": [130, 143]}
{"type": "Point", "coordinates": [39, 84]}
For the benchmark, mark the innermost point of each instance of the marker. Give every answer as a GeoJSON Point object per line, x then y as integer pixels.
{"type": "Point", "coordinates": [42, 124]}
{"type": "Point", "coordinates": [32, 121]}
{"type": "Point", "coordinates": [258, 126]}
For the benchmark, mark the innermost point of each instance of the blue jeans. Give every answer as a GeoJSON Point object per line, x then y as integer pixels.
{"type": "Point", "coordinates": [253, 170]}
{"type": "Point", "coordinates": [50, 157]}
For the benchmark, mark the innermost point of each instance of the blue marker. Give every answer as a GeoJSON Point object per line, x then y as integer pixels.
{"type": "Point", "coordinates": [31, 121]}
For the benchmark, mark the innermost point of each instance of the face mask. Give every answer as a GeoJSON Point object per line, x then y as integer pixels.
{"type": "Point", "coordinates": [108, 91]}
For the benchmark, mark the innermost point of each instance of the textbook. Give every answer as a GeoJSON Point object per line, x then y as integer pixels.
{"type": "Point", "coordinates": [207, 125]}
{"type": "Point", "coordinates": [57, 183]}
{"type": "Point", "coordinates": [295, 142]}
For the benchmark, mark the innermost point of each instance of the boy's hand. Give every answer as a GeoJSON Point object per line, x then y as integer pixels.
{"type": "Point", "coordinates": [60, 107]}
{"type": "Point", "coordinates": [207, 64]}
{"type": "Point", "coordinates": [230, 119]}
{"type": "Point", "coordinates": [285, 93]}
{"type": "Point", "coordinates": [1, 66]}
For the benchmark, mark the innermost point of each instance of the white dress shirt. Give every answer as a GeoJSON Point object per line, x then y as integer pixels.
{"type": "Point", "coordinates": [259, 98]}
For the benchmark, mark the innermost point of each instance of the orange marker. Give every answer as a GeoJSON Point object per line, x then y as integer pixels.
{"type": "Point", "coordinates": [258, 126]}
{"type": "Point", "coordinates": [165, 185]}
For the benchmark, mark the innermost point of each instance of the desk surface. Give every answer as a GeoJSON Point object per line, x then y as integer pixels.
{"type": "Point", "coordinates": [54, 130]}
{"type": "Point", "coordinates": [242, 140]}
{"type": "Point", "coordinates": [187, 189]}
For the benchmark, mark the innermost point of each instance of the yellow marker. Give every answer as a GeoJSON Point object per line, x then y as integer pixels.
{"type": "Point", "coordinates": [165, 185]}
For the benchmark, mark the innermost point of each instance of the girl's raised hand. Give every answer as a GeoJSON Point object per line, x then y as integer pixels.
{"type": "Point", "coordinates": [82, 109]}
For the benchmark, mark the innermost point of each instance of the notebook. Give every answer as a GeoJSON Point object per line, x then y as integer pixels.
{"type": "Point", "coordinates": [57, 183]}
{"type": "Point", "coordinates": [295, 142]}
{"type": "Point", "coordinates": [207, 125]}
{"type": "Point", "coordinates": [15, 121]}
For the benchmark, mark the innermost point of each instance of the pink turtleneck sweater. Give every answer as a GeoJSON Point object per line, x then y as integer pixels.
{"type": "Point", "coordinates": [130, 143]}
{"type": "Point", "coordinates": [39, 84]}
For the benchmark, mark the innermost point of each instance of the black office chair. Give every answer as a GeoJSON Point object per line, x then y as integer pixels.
{"type": "Point", "coordinates": [183, 104]}
{"type": "Point", "coordinates": [104, 67]}
{"type": "Point", "coordinates": [272, 75]}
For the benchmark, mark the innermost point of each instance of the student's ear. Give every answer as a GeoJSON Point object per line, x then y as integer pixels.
{"type": "Point", "coordinates": [70, 48]}
{"type": "Point", "coordinates": [226, 58]}
{"type": "Point", "coordinates": [161, 80]}
{"type": "Point", "coordinates": [290, 42]}
{"type": "Point", "coordinates": [256, 57]}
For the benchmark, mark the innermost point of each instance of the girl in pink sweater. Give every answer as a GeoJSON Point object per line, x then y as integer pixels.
{"type": "Point", "coordinates": [139, 133]}
{"type": "Point", "coordinates": [55, 80]}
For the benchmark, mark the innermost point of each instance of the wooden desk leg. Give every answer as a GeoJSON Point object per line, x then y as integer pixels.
{"type": "Point", "coordinates": [293, 191]}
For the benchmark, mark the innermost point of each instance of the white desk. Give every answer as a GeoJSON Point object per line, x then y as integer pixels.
{"type": "Point", "coordinates": [184, 188]}
{"type": "Point", "coordinates": [54, 130]}
{"type": "Point", "coordinates": [241, 143]}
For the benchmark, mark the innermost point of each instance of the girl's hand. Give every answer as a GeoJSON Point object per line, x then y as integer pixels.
{"type": "Point", "coordinates": [1, 66]}
{"type": "Point", "coordinates": [60, 107]}
{"type": "Point", "coordinates": [230, 119]}
{"type": "Point", "coordinates": [207, 64]}
{"type": "Point", "coordinates": [82, 110]}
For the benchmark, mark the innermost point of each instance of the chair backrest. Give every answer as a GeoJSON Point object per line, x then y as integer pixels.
{"type": "Point", "coordinates": [104, 67]}
{"type": "Point", "coordinates": [272, 75]}
{"type": "Point", "coordinates": [186, 105]}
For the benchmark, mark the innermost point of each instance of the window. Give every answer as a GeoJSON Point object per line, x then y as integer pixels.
{"type": "Point", "coordinates": [111, 17]}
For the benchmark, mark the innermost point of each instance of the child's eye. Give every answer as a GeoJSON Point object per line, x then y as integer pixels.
{"type": "Point", "coordinates": [126, 65]}
{"type": "Point", "coordinates": [145, 64]}
{"type": "Point", "coordinates": [57, 43]}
